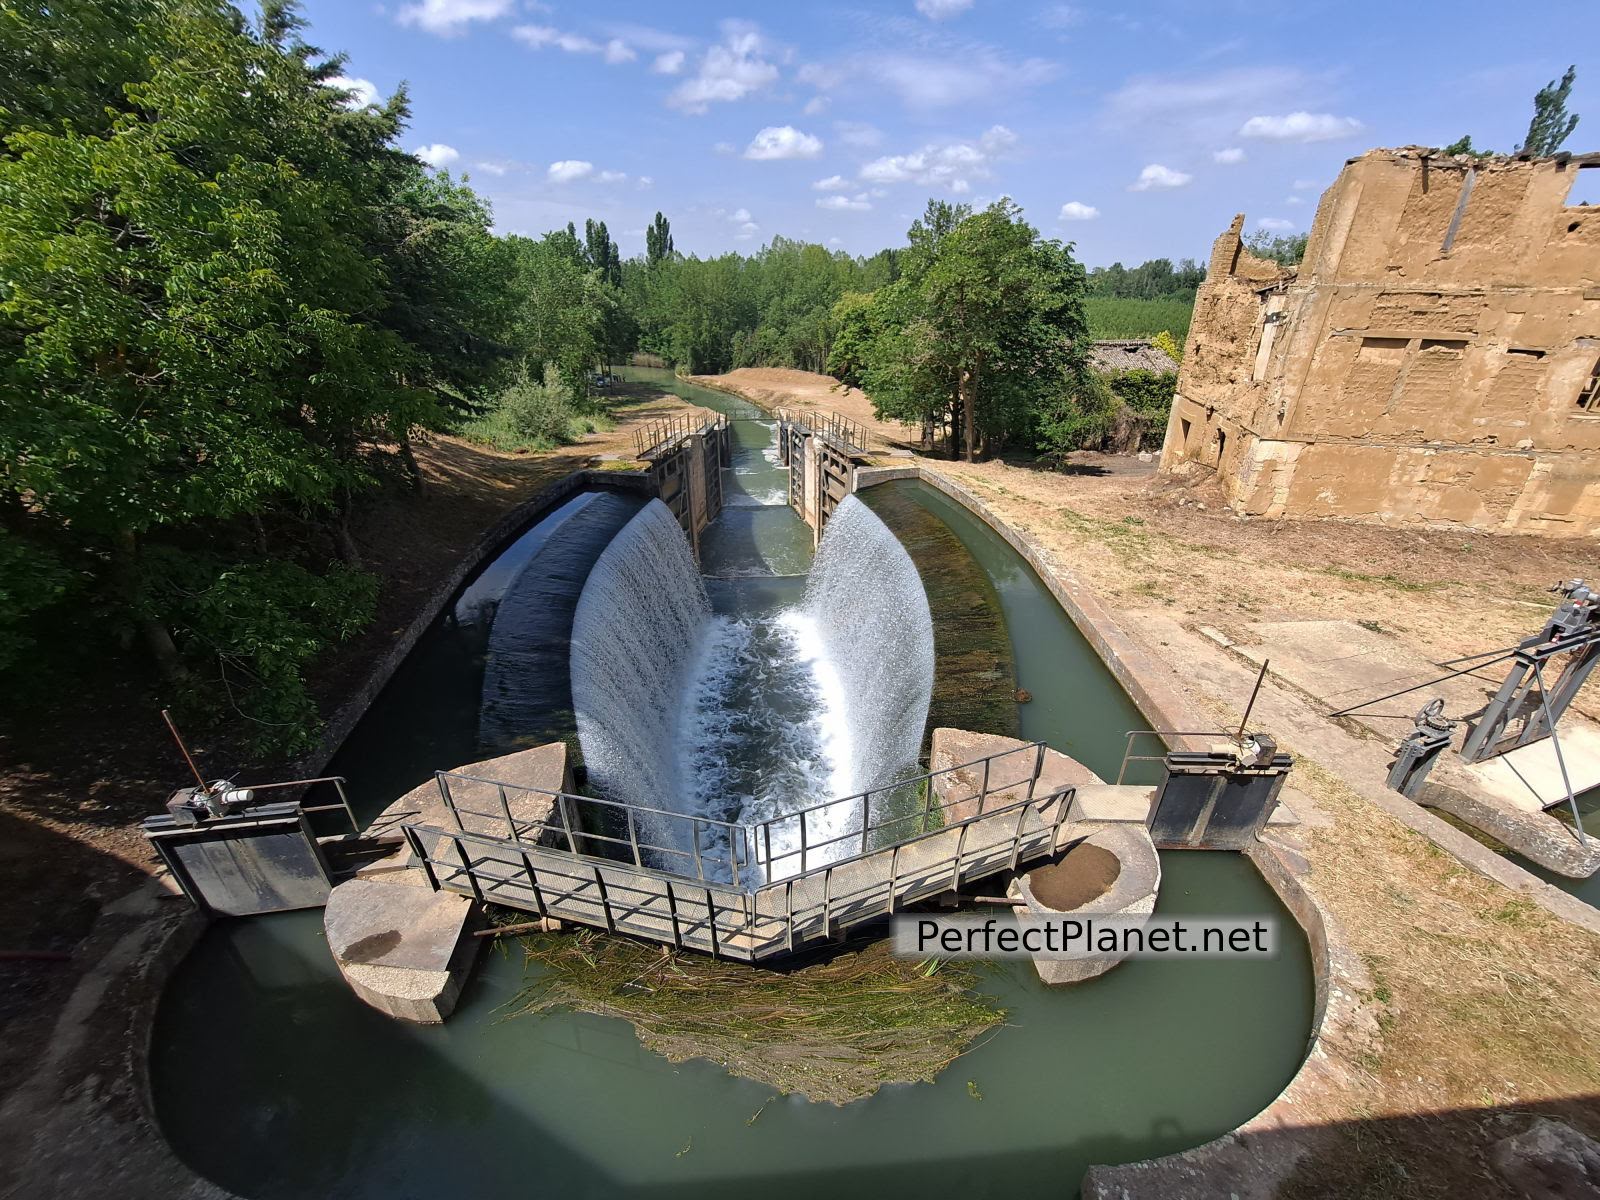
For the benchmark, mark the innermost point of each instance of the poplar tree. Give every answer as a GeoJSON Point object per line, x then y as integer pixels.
{"type": "Point", "coordinates": [1552, 125]}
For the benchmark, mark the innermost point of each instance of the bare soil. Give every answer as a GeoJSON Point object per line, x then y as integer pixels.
{"type": "Point", "coordinates": [780, 387]}
{"type": "Point", "coordinates": [1483, 1007]}
{"type": "Point", "coordinates": [1082, 874]}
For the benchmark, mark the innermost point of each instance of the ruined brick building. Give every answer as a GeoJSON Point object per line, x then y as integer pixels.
{"type": "Point", "coordinates": [1434, 359]}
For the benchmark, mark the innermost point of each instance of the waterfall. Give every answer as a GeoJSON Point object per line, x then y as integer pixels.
{"type": "Point", "coordinates": [634, 638]}
{"type": "Point", "coordinates": [869, 613]}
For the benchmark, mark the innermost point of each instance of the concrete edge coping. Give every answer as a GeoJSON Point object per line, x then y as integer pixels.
{"type": "Point", "coordinates": [1340, 978]}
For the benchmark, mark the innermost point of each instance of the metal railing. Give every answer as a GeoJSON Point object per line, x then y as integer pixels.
{"type": "Point", "coordinates": [1161, 735]}
{"type": "Point", "coordinates": [705, 849]}
{"type": "Point", "coordinates": [655, 436]}
{"type": "Point", "coordinates": [852, 434]}
{"type": "Point", "coordinates": [338, 782]}
{"type": "Point", "coordinates": [644, 901]}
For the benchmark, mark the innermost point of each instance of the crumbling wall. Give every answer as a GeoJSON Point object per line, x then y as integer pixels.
{"type": "Point", "coordinates": [1432, 359]}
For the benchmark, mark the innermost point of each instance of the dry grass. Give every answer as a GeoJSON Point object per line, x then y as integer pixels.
{"type": "Point", "coordinates": [835, 1031]}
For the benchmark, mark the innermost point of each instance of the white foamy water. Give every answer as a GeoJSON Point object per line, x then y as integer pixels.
{"type": "Point", "coordinates": [746, 719]}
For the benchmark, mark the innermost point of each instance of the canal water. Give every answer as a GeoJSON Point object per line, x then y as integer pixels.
{"type": "Point", "coordinates": [273, 1080]}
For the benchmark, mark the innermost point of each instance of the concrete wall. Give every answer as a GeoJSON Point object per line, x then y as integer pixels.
{"type": "Point", "coordinates": [1425, 363]}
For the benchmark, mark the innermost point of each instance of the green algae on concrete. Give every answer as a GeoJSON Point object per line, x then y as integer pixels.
{"type": "Point", "coordinates": [975, 680]}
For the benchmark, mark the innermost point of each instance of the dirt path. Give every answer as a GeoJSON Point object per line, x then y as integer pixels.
{"type": "Point", "coordinates": [779, 387]}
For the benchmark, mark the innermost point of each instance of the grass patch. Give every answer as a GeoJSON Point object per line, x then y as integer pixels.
{"type": "Point", "coordinates": [534, 416]}
{"type": "Point", "coordinates": [835, 1031]}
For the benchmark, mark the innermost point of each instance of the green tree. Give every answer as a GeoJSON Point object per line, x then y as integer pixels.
{"type": "Point", "coordinates": [1551, 125]}
{"type": "Point", "coordinates": [658, 240]}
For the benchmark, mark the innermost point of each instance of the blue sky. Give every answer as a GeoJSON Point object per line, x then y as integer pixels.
{"type": "Point", "coordinates": [1135, 131]}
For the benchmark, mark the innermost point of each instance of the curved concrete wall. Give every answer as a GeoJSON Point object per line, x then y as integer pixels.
{"type": "Point", "coordinates": [1340, 977]}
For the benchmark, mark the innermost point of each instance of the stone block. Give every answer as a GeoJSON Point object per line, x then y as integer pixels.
{"type": "Point", "coordinates": [404, 950]}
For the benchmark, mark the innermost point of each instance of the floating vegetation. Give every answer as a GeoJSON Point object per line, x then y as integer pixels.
{"type": "Point", "coordinates": [834, 1031]}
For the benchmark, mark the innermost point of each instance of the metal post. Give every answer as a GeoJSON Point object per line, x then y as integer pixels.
{"type": "Point", "coordinates": [1544, 699]}
{"type": "Point", "coordinates": [605, 901]}
{"type": "Point", "coordinates": [505, 811]}
{"type": "Point", "coordinates": [866, 809]}
{"type": "Point", "coordinates": [927, 802]}
{"type": "Point", "coordinates": [894, 866]}
{"type": "Point", "coordinates": [1038, 769]}
{"type": "Point", "coordinates": [422, 855]}
{"type": "Point", "coordinates": [633, 838]}
{"type": "Point", "coordinates": [766, 833]}
{"type": "Point", "coordinates": [1016, 838]}
{"type": "Point", "coordinates": [788, 911]}
{"type": "Point", "coordinates": [533, 884]}
{"type": "Point", "coordinates": [711, 923]}
{"type": "Point", "coordinates": [733, 858]}
{"type": "Point", "coordinates": [338, 785]}
{"type": "Point", "coordinates": [694, 842]}
{"type": "Point", "coordinates": [566, 823]}
{"type": "Point", "coordinates": [672, 911]}
{"type": "Point", "coordinates": [961, 849]}
{"type": "Point", "coordinates": [827, 902]}
{"type": "Point", "coordinates": [983, 788]}
{"type": "Point", "coordinates": [466, 865]}
{"type": "Point", "coordinates": [801, 817]}
{"type": "Point", "coordinates": [449, 800]}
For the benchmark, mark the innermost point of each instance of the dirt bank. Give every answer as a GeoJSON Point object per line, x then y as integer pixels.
{"type": "Point", "coordinates": [780, 387]}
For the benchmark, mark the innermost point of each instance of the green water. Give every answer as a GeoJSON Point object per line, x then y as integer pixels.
{"type": "Point", "coordinates": [1076, 707]}
{"type": "Point", "coordinates": [272, 1079]}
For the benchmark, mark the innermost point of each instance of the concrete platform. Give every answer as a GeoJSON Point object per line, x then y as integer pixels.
{"type": "Point", "coordinates": [1340, 663]}
{"type": "Point", "coordinates": [1131, 894]}
{"type": "Point", "coordinates": [404, 950]}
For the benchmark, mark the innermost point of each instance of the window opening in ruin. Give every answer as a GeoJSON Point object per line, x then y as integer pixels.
{"type": "Point", "coordinates": [1184, 425]}
{"type": "Point", "coordinates": [1456, 345]}
{"type": "Point", "coordinates": [1524, 352]}
{"type": "Point", "coordinates": [1589, 397]}
{"type": "Point", "coordinates": [1382, 349]}
{"type": "Point", "coordinates": [1585, 189]}
{"type": "Point", "coordinates": [1222, 445]}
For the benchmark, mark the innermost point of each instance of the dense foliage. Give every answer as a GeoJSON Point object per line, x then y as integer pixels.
{"type": "Point", "coordinates": [982, 335]}
{"type": "Point", "coordinates": [229, 304]}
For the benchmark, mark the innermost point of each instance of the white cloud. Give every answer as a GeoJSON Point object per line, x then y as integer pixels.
{"type": "Point", "coordinates": [449, 17]}
{"type": "Point", "coordinates": [539, 37]}
{"type": "Point", "coordinates": [975, 75]}
{"type": "Point", "coordinates": [724, 148]}
{"type": "Point", "coordinates": [739, 214]}
{"type": "Point", "coordinates": [1229, 156]}
{"type": "Point", "coordinates": [362, 91]}
{"type": "Point", "coordinates": [1155, 98]}
{"type": "Point", "coordinates": [437, 155]}
{"type": "Point", "coordinates": [1274, 224]}
{"type": "Point", "coordinates": [1294, 200]}
{"type": "Point", "coordinates": [1158, 176]}
{"type": "Point", "coordinates": [669, 63]}
{"type": "Point", "coordinates": [858, 133]}
{"type": "Point", "coordinates": [493, 168]}
{"type": "Point", "coordinates": [856, 203]}
{"type": "Point", "coordinates": [949, 165]}
{"type": "Point", "coordinates": [816, 105]}
{"type": "Point", "coordinates": [833, 183]}
{"type": "Point", "coordinates": [1073, 210]}
{"type": "Point", "coordinates": [939, 10]}
{"type": "Point", "coordinates": [1304, 185]}
{"type": "Point", "coordinates": [782, 141]}
{"type": "Point", "coordinates": [569, 169]}
{"type": "Point", "coordinates": [1301, 127]}
{"type": "Point", "coordinates": [612, 176]}
{"type": "Point", "coordinates": [749, 227]}
{"type": "Point", "coordinates": [730, 70]}
{"type": "Point", "coordinates": [644, 181]}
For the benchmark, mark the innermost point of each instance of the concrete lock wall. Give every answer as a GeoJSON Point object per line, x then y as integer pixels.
{"type": "Point", "coordinates": [1433, 360]}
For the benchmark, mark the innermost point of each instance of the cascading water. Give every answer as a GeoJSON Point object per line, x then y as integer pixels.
{"type": "Point", "coordinates": [635, 634]}
{"type": "Point", "coordinates": [761, 708]}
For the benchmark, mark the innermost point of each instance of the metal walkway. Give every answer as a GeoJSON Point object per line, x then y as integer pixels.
{"type": "Point", "coordinates": [745, 891]}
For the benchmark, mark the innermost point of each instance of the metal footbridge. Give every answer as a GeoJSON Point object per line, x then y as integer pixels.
{"type": "Point", "coordinates": [747, 891]}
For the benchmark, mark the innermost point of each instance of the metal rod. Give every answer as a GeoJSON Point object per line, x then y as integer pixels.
{"type": "Point", "coordinates": [1572, 803]}
{"type": "Point", "coordinates": [633, 840]}
{"type": "Point", "coordinates": [1254, 692]}
{"type": "Point", "coordinates": [166, 715]}
{"type": "Point", "coordinates": [1418, 687]}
